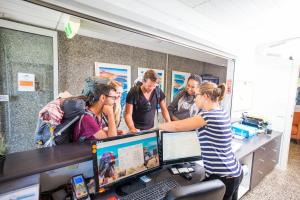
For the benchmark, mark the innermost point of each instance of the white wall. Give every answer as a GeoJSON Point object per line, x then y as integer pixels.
{"type": "Point", "coordinates": [273, 81]}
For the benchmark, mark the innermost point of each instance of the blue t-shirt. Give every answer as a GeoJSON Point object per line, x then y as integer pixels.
{"type": "Point", "coordinates": [215, 140]}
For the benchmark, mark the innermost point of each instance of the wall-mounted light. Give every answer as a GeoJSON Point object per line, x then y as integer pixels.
{"type": "Point", "coordinates": [72, 26]}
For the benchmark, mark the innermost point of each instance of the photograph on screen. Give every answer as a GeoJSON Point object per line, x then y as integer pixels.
{"type": "Point", "coordinates": [125, 157]}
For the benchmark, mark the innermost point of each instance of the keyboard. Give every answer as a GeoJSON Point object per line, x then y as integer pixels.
{"type": "Point", "coordinates": [156, 191]}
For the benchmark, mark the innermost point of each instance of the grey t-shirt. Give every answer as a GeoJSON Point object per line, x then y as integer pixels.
{"type": "Point", "coordinates": [183, 106]}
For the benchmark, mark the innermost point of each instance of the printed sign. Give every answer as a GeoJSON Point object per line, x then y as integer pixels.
{"type": "Point", "coordinates": [26, 82]}
{"type": "Point", "coordinates": [229, 86]}
{"type": "Point", "coordinates": [4, 98]}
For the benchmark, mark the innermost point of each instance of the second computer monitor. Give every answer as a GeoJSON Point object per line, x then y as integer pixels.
{"type": "Point", "coordinates": [179, 147]}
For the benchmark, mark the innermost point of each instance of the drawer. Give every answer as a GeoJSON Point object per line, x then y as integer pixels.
{"type": "Point", "coordinates": [274, 144]}
{"type": "Point", "coordinates": [260, 152]}
{"type": "Point", "coordinates": [272, 154]}
{"type": "Point", "coordinates": [257, 176]}
{"type": "Point", "coordinates": [264, 160]}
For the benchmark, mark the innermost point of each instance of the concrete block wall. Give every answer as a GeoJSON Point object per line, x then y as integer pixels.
{"type": "Point", "coordinates": [77, 59]}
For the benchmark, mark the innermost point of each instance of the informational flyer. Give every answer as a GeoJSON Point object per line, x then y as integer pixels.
{"type": "Point", "coordinates": [26, 82]}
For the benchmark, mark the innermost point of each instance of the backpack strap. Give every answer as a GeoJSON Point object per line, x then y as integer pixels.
{"type": "Point", "coordinates": [157, 92]}
{"type": "Point", "coordinates": [136, 97]}
{"type": "Point", "coordinates": [86, 112]}
{"type": "Point", "coordinates": [104, 119]}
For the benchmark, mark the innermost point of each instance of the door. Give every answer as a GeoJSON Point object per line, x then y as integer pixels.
{"type": "Point", "coordinates": [27, 77]}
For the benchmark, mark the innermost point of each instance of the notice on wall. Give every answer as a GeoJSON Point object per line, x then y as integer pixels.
{"type": "Point", "coordinates": [26, 82]}
{"type": "Point", "coordinates": [229, 86]}
{"type": "Point", "coordinates": [4, 98]}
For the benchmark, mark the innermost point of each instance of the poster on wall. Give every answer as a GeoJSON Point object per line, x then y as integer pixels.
{"type": "Point", "coordinates": [26, 82]}
{"type": "Point", "coordinates": [120, 73]}
{"type": "Point", "coordinates": [159, 72]}
{"type": "Point", "coordinates": [179, 81]}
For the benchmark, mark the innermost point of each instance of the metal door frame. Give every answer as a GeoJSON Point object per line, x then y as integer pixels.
{"type": "Point", "coordinates": [39, 31]}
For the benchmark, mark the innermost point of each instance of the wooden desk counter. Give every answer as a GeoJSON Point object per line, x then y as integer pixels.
{"type": "Point", "coordinates": [22, 164]}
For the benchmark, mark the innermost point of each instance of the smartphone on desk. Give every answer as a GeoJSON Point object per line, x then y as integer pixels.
{"type": "Point", "coordinates": [79, 187]}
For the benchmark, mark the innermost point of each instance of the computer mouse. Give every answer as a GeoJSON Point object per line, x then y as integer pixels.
{"type": "Point", "coordinates": [187, 176]}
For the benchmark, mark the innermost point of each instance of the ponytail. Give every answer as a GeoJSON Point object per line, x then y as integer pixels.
{"type": "Point", "coordinates": [214, 92]}
{"type": "Point", "coordinates": [221, 89]}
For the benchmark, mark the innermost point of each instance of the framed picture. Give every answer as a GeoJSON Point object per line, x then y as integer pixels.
{"type": "Point", "coordinates": [159, 72]}
{"type": "Point", "coordinates": [179, 81]}
{"type": "Point", "coordinates": [120, 73]}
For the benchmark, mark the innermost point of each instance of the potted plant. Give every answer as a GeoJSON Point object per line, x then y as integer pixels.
{"type": "Point", "coordinates": [2, 153]}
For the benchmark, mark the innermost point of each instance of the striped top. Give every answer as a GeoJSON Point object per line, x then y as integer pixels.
{"type": "Point", "coordinates": [215, 141]}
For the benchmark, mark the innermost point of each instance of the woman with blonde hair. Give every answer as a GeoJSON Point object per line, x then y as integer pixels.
{"type": "Point", "coordinates": [214, 132]}
{"type": "Point", "coordinates": [117, 106]}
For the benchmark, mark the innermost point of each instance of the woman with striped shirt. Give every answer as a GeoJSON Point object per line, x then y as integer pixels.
{"type": "Point", "coordinates": [214, 133]}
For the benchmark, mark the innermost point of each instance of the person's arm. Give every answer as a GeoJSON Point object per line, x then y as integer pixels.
{"type": "Point", "coordinates": [101, 134]}
{"type": "Point", "coordinates": [188, 124]}
{"type": "Point", "coordinates": [112, 129]}
{"type": "Point", "coordinates": [128, 118]}
{"type": "Point", "coordinates": [164, 111]}
{"type": "Point", "coordinates": [173, 107]}
{"type": "Point", "coordinates": [90, 129]}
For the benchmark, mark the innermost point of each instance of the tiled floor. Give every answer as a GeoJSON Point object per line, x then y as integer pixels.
{"type": "Point", "coordinates": [279, 184]}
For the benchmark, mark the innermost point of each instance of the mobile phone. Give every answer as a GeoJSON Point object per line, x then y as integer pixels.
{"type": "Point", "coordinates": [79, 187]}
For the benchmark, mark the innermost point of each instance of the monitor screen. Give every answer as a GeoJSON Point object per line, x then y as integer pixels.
{"type": "Point", "coordinates": [128, 157]}
{"type": "Point", "coordinates": [180, 147]}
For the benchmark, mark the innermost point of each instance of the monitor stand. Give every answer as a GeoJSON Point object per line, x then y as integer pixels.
{"type": "Point", "coordinates": [185, 164]}
{"type": "Point", "coordinates": [129, 187]}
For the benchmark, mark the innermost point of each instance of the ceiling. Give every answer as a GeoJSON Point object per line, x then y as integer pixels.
{"type": "Point", "coordinates": [28, 13]}
{"type": "Point", "coordinates": [221, 27]}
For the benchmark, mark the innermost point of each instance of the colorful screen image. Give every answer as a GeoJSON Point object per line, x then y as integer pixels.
{"type": "Point", "coordinates": [125, 157]}
{"type": "Point", "coordinates": [79, 186]}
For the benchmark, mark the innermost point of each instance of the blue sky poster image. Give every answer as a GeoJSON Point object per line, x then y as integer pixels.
{"type": "Point", "coordinates": [179, 81]}
{"type": "Point", "coordinates": [120, 73]}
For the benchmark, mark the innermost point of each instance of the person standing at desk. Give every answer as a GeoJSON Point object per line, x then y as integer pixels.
{"type": "Point", "coordinates": [142, 102]}
{"type": "Point", "coordinates": [183, 106]}
{"type": "Point", "coordinates": [214, 132]}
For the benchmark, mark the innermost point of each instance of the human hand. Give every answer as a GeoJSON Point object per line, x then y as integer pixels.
{"type": "Point", "coordinates": [108, 110]}
{"type": "Point", "coordinates": [121, 132]}
{"type": "Point", "coordinates": [105, 129]}
{"type": "Point", "coordinates": [134, 130]}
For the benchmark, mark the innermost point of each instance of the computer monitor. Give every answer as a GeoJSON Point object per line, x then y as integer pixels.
{"type": "Point", "coordinates": [119, 159]}
{"type": "Point", "coordinates": [179, 147]}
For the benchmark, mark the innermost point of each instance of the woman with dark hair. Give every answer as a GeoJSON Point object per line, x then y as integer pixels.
{"type": "Point", "coordinates": [214, 131]}
{"type": "Point", "coordinates": [183, 106]}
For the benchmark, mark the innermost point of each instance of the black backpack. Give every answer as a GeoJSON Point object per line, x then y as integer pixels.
{"type": "Point", "coordinates": [73, 109]}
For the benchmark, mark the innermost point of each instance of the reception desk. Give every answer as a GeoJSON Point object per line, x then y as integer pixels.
{"type": "Point", "coordinates": [260, 153]}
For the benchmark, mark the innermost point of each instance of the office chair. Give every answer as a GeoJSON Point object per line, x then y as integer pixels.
{"type": "Point", "coordinates": [295, 132]}
{"type": "Point", "coordinates": [206, 190]}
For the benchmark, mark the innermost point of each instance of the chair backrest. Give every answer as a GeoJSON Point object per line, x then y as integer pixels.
{"type": "Point", "coordinates": [296, 118]}
{"type": "Point", "coordinates": [206, 190]}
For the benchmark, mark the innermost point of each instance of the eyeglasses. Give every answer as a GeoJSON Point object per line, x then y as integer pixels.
{"type": "Point", "coordinates": [113, 97]}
